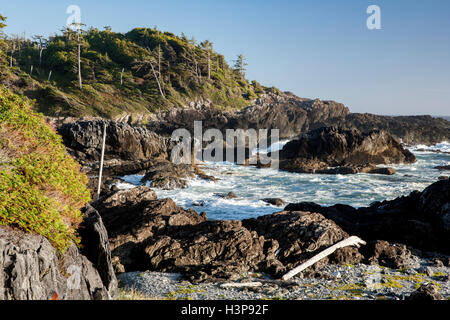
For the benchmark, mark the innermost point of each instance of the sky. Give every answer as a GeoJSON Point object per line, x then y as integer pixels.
{"type": "Point", "coordinates": [313, 48]}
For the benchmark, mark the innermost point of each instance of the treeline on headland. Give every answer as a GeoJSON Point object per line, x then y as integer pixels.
{"type": "Point", "coordinates": [79, 72]}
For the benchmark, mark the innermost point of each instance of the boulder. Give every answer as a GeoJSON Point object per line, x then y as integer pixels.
{"type": "Point", "coordinates": [229, 195]}
{"type": "Point", "coordinates": [347, 151]}
{"type": "Point", "coordinates": [274, 201]}
{"type": "Point", "coordinates": [426, 292]}
{"type": "Point", "coordinates": [167, 175]}
{"type": "Point", "coordinates": [31, 269]}
{"type": "Point", "coordinates": [443, 168]}
{"type": "Point", "coordinates": [396, 256]}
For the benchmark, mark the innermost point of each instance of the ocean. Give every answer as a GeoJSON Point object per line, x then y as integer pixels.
{"type": "Point", "coordinates": [251, 185]}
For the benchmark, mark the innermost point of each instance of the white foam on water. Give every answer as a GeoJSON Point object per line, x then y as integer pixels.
{"type": "Point", "coordinates": [252, 184]}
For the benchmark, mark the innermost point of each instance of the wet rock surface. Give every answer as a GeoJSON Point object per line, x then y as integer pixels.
{"type": "Point", "coordinates": [348, 151]}
{"type": "Point", "coordinates": [168, 176]}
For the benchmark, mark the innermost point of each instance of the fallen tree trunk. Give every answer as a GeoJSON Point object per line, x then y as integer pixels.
{"type": "Point", "coordinates": [351, 241]}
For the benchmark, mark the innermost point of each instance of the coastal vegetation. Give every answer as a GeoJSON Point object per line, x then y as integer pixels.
{"type": "Point", "coordinates": [104, 73]}
{"type": "Point", "coordinates": [41, 187]}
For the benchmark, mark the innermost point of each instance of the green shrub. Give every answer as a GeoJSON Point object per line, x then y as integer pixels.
{"type": "Point", "coordinates": [41, 187]}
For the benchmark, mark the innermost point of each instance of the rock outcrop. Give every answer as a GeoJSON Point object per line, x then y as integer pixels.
{"type": "Point", "coordinates": [293, 116]}
{"type": "Point", "coordinates": [95, 246]}
{"type": "Point", "coordinates": [154, 234]}
{"type": "Point", "coordinates": [123, 142]}
{"type": "Point", "coordinates": [31, 269]}
{"type": "Point", "coordinates": [420, 220]}
{"type": "Point", "coordinates": [426, 292]}
{"type": "Point", "coordinates": [132, 217]}
{"type": "Point", "coordinates": [301, 235]}
{"type": "Point", "coordinates": [347, 151]}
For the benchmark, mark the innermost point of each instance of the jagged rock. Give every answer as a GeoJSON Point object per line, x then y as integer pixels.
{"type": "Point", "coordinates": [168, 176]}
{"type": "Point", "coordinates": [300, 236]}
{"type": "Point", "coordinates": [122, 140]}
{"type": "Point", "coordinates": [132, 217]}
{"type": "Point", "coordinates": [95, 246]}
{"type": "Point", "coordinates": [395, 256]}
{"type": "Point", "coordinates": [426, 292]}
{"type": "Point", "coordinates": [442, 167]}
{"type": "Point", "coordinates": [386, 171]}
{"type": "Point", "coordinates": [286, 112]}
{"type": "Point", "coordinates": [220, 249]}
{"type": "Point", "coordinates": [274, 201]}
{"type": "Point", "coordinates": [229, 195]}
{"type": "Point", "coordinates": [293, 115]}
{"type": "Point", "coordinates": [348, 151]}
{"type": "Point", "coordinates": [420, 220]}
{"type": "Point", "coordinates": [31, 269]}
{"type": "Point", "coordinates": [434, 202]}
{"type": "Point", "coordinates": [443, 178]}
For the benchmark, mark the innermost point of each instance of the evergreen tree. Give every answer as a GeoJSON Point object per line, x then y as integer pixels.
{"type": "Point", "coordinates": [240, 65]}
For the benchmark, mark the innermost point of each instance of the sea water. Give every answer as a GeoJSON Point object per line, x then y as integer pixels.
{"type": "Point", "coordinates": [252, 184]}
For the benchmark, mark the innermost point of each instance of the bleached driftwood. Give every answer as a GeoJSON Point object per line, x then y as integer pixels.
{"type": "Point", "coordinates": [351, 241]}
{"type": "Point", "coordinates": [241, 284]}
{"type": "Point", "coordinates": [101, 162]}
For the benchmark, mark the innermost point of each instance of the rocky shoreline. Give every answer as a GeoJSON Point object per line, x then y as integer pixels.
{"type": "Point", "coordinates": [135, 234]}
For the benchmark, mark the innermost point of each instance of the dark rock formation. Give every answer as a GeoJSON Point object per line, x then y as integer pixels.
{"type": "Point", "coordinates": [301, 235]}
{"type": "Point", "coordinates": [350, 150]}
{"type": "Point", "coordinates": [286, 112]}
{"type": "Point", "coordinates": [122, 141]}
{"type": "Point", "coordinates": [166, 175]}
{"type": "Point", "coordinates": [218, 249]}
{"type": "Point", "coordinates": [420, 220]}
{"type": "Point", "coordinates": [395, 256]}
{"type": "Point", "coordinates": [293, 115]}
{"type": "Point", "coordinates": [426, 292]}
{"type": "Point", "coordinates": [447, 168]}
{"type": "Point", "coordinates": [229, 195]}
{"type": "Point", "coordinates": [154, 234]}
{"type": "Point", "coordinates": [95, 246]}
{"type": "Point", "coordinates": [132, 216]}
{"type": "Point", "coordinates": [274, 201]}
{"type": "Point", "coordinates": [31, 269]}
{"type": "Point", "coordinates": [409, 129]}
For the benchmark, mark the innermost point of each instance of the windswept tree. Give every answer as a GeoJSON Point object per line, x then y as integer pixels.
{"type": "Point", "coordinates": [79, 33]}
{"type": "Point", "coordinates": [190, 57]}
{"type": "Point", "coordinates": [208, 46]}
{"type": "Point", "coordinates": [42, 44]}
{"type": "Point", "coordinates": [2, 35]}
{"type": "Point", "coordinates": [147, 65]}
{"type": "Point", "coordinates": [240, 65]}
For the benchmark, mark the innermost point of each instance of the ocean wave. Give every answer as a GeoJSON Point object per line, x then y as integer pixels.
{"type": "Point", "coordinates": [251, 184]}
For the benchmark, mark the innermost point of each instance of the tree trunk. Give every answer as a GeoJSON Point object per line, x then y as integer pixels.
{"type": "Point", "coordinates": [209, 65]}
{"type": "Point", "coordinates": [80, 83]}
{"type": "Point", "coordinates": [157, 81]}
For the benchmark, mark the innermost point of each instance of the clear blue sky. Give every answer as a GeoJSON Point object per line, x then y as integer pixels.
{"type": "Point", "coordinates": [316, 49]}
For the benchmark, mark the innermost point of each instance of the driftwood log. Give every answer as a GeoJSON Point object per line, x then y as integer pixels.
{"type": "Point", "coordinates": [351, 241]}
